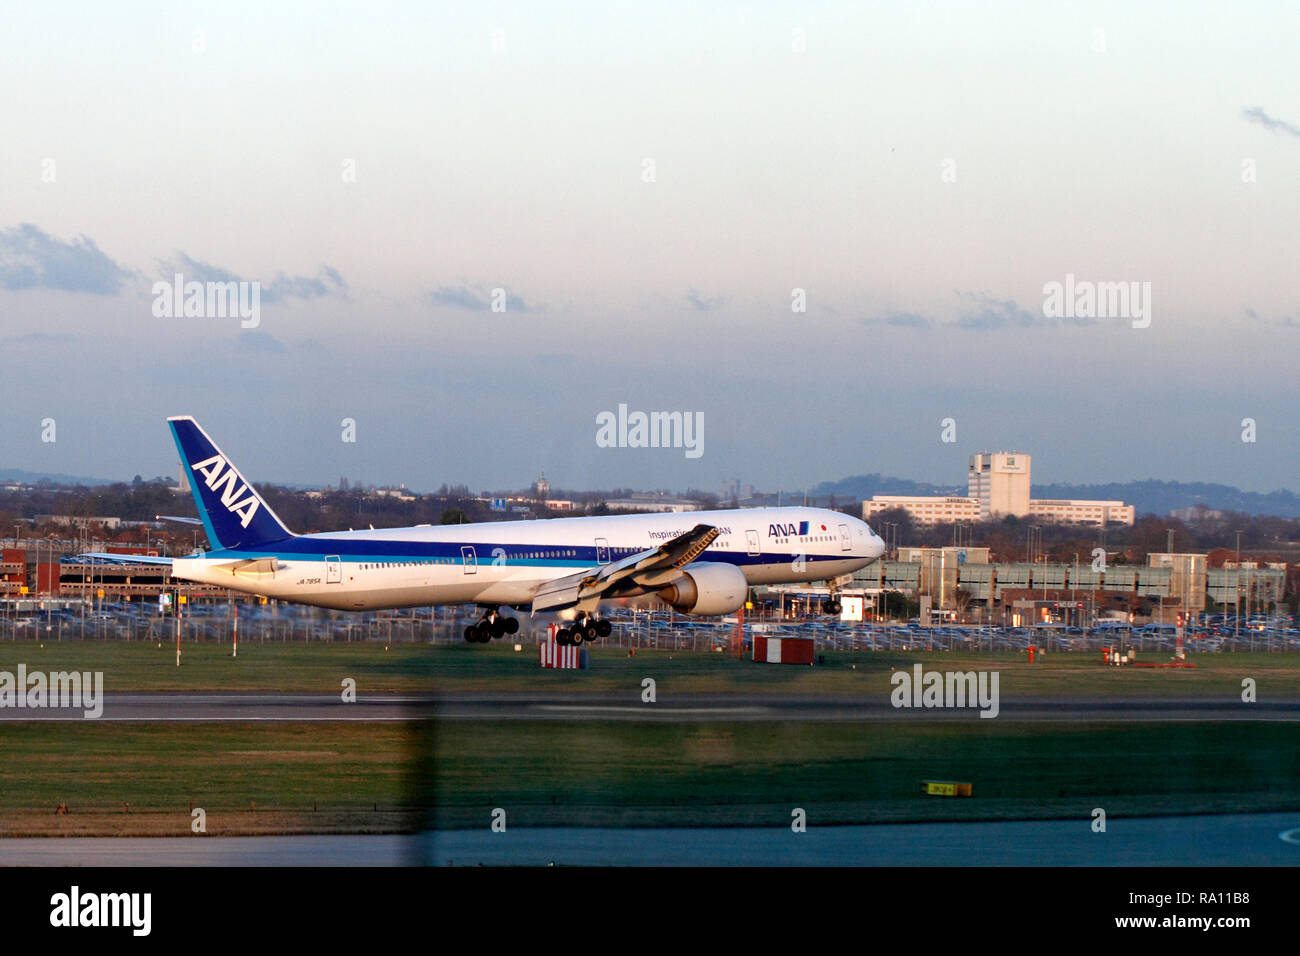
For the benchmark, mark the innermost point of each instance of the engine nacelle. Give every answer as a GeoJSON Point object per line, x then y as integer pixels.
{"type": "Point", "coordinates": [707, 588]}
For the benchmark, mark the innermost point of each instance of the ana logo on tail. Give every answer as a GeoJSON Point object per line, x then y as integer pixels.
{"type": "Point", "coordinates": [220, 472]}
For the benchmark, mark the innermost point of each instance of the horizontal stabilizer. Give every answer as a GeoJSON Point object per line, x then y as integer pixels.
{"type": "Point", "coordinates": [249, 566]}
{"type": "Point", "coordinates": [178, 518]}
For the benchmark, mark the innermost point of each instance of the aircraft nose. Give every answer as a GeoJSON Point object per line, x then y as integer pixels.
{"type": "Point", "coordinates": [874, 546]}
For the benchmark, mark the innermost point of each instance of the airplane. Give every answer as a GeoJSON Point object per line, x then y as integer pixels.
{"type": "Point", "coordinates": [700, 563]}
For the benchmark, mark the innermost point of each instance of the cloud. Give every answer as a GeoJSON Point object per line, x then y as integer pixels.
{"type": "Point", "coordinates": [704, 305]}
{"type": "Point", "coordinates": [980, 313]}
{"type": "Point", "coordinates": [1284, 321]}
{"type": "Point", "coordinates": [1255, 114]}
{"type": "Point", "coordinates": [986, 313]}
{"type": "Point", "coordinates": [459, 297]}
{"type": "Point", "coordinates": [474, 298]}
{"type": "Point", "coordinates": [33, 259]}
{"type": "Point", "coordinates": [327, 282]}
{"type": "Point", "coordinates": [908, 320]}
{"type": "Point", "coordinates": [903, 320]}
{"type": "Point", "coordinates": [36, 338]}
{"type": "Point", "coordinates": [260, 343]}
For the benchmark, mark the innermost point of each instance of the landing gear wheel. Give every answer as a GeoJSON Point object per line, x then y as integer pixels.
{"type": "Point", "coordinates": [831, 607]}
{"type": "Point", "coordinates": [471, 634]}
{"type": "Point", "coordinates": [604, 628]}
{"type": "Point", "coordinates": [577, 635]}
{"type": "Point", "coordinates": [562, 637]}
{"type": "Point", "coordinates": [498, 628]}
{"type": "Point", "coordinates": [511, 624]}
{"type": "Point", "coordinates": [589, 630]}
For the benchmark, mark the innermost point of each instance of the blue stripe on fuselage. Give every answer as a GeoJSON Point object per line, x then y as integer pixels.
{"type": "Point", "coordinates": [363, 550]}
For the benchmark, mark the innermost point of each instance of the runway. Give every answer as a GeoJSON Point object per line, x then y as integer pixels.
{"type": "Point", "coordinates": [1266, 839]}
{"type": "Point", "coordinates": [178, 707]}
{"type": "Point", "coordinates": [1233, 840]}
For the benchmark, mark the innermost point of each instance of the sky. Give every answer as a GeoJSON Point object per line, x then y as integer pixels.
{"type": "Point", "coordinates": [656, 189]}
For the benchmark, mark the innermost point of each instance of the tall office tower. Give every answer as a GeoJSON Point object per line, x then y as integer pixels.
{"type": "Point", "coordinates": [1000, 480]}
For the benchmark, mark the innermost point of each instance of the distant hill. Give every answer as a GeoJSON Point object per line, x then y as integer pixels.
{"type": "Point", "coordinates": [864, 486]}
{"type": "Point", "coordinates": [36, 477]}
{"type": "Point", "coordinates": [1147, 497]}
{"type": "Point", "coordinates": [1161, 497]}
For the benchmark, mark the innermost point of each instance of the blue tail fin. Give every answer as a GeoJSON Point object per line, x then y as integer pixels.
{"type": "Point", "coordinates": [233, 513]}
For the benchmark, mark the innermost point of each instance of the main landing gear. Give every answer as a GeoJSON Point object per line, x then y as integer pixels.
{"type": "Point", "coordinates": [585, 628]}
{"type": "Point", "coordinates": [493, 624]}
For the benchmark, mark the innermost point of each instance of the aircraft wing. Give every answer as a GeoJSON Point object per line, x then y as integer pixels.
{"type": "Point", "coordinates": [125, 558]}
{"type": "Point", "coordinates": [635, 573]}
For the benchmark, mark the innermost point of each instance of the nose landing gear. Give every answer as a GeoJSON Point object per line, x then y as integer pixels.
{"type": "Point", "coordinates": [832, 603]}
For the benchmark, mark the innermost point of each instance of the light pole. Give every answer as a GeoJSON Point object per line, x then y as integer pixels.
{"type": "Point", "coordinates": [50, 584]}
{"type": "Point", "coordinates": [1074, 582]}
{"type": "Point", "coordinates": [1236, 591]}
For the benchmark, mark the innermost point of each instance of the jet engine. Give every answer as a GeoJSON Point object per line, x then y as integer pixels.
{"type": "Point", "coordinates": [707, 588]}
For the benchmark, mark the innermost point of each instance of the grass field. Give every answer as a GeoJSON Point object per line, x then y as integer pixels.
{"type": "Point", "coordinates": [348, 777]}
{"type": "Point", "coordinates": [473, 668]}
{"type": "Point", "coordinates": [124, 778]}
{"type": "Point", "coordinates": [741, 774]}
{"type": "Point", "coordinates": [127, 779]}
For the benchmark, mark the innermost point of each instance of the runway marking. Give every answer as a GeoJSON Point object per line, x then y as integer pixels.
{"type": "Point", "coordinates": [196, 720]}
{"type": "Point", "coordinates": [644, 709]}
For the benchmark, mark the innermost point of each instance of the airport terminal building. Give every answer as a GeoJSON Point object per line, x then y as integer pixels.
{"type": "Point", "coordinates": [962, 580]}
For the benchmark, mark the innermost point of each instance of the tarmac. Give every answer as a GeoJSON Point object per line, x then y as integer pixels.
{"type": "Point", "coordinates": [172, 707]}
{"type": "Point", "coordinates": [1264, 839]}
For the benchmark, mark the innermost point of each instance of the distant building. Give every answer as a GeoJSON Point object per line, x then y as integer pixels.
{"type": "Point", "coordinates": [1082, 512]}
{"type": "Point", "coordinates": [925, 510]}
{"type": "Point", "coordinates": [400, 493]}
{"type": "Point", "coordinates": [998, 486]}
{"type": "Point", "coordinates": [1000, 482]}
{"type": "Point", "coordinates": [735, 490]}
{"type": "Point", "coordinates": [652, 503]}
{"type": "Point", "coordinates": [1187, 579]}
{"type": "Point", "coordinates": [78, 521]}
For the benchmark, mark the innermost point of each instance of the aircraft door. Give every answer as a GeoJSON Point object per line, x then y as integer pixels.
{"type": "Point", "coordinates": [468, 558]}
{"type": "Point", "coordinates": [751, 540]}
{"type": "Point", "coordinates": [333, 569]}
{"type": "Point", "coordinates": [602, 551]}
{"type": "Point", "coordinates": [846, 540]}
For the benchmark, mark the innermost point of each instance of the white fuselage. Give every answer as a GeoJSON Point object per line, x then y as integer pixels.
{"type": "Point", "coordinates": [503, 563]}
